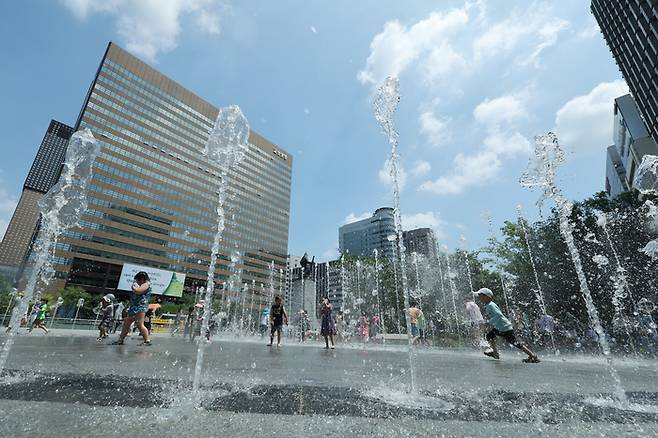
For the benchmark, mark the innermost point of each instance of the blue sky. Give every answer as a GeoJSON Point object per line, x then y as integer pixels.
{"type": "Point", "coordinates": [478, 79]}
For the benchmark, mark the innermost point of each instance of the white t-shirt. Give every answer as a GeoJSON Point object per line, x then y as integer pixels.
{"type": "Point", "coordinates": [474, 312]}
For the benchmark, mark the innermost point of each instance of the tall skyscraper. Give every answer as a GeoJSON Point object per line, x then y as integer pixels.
{"type": "Point", "coordinates": [42, 176]}
{"type": "Point", "coordinates": [421, 241]}
{"type": "Point", "coordinates": [153, 196]}
{"type": "Point", "coordinates": [362, 237]}
{"type": "Point", "coordinates": [631, 143]}
{"type": "Point", "coordinates": [630, 28]}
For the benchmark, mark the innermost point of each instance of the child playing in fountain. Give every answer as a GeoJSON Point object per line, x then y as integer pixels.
{"type": "Point", "coordinates": [107, 316]}
{"type": "Point", "coordinates": [501, 326]}
{"type": "Point", "coordinates": [278, 317]}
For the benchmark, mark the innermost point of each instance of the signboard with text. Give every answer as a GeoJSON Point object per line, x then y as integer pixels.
{"type": "Point", "coordinates": [163, 282]}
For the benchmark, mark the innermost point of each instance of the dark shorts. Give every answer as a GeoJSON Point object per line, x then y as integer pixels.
{"type": "Point", "coordinates": [277, 327]}
{"type": "Point", "coordinates": [508, 336]}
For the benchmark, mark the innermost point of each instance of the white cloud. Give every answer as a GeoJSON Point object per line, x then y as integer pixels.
{"type": "Point", "coordinates": [397, 46]}
{"type": "Point", "coordinates": [502, 141]}
{"type": "Point", "coordinates": [313, 29]}
{"type": "Point", "coordinates": [424, 220]}
{"type": "Point", "coordinates": [150, 27]}
{"type": "Point", "coordinates": [421, 168]}
{"type": "Point", "coordinates": [590, 31]}
{"type": "Point", "coordinates": [441, 62]}
{"type": "Point", "coordinates": [585, 123]}
{"type": "Point", "coordinates": [532, 28]}
{"type": "Point", "coordinates": [435, 129]}
{"type": "Point", "coordinates": [7, 207]}
{"type": "Point", "coordinates": [504, 109]}
{"type": "Point", "coordinates": [353, 217]}
{"type": "Point", "coordinates": [386, 177]}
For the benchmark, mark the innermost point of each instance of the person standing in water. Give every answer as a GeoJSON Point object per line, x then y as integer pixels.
{"type": "Point", "coordinates": [501, 326]}
{"type": "Point", "coordinates": [40, 319]}
{"type": "Point", "coordinates": [139, 302]}
{"type": "Point", "coordinates": [328, 325]}
{"type": "Point", "coordinates": [413, 314]}
{"type": "Point", "coordinates": [107, 316]}
{"type": "Point", "coordinates": [278, 317]}
{"type": "Point", "coordinates": [476, 321]}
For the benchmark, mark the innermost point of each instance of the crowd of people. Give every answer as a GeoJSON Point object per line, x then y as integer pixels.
{"type": "Point", "coordinates": [483, 330]}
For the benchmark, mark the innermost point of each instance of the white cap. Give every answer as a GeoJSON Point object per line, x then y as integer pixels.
{"type": "Point", "coordinates": [109, 297]}
{"type": "Point", "coordinates": [485, 291]}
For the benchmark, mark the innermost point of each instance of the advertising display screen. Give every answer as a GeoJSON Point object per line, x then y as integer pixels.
{"type": "Point", "coordinates": [163, 282]}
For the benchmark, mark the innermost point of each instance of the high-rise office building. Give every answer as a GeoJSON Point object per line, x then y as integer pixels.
{"type": "Point", "coordinates": [631, 143]}
{"type": "Point", "coordinates": [153, 196]}
{"type": "Point", "coordinates": [362, 237]}
{"type": "Point", "coordinates": [630, 28]}
{"type": "Point", "coordinates": [43, 174]}
{"type": "Point", "coordinates": [421, 241]}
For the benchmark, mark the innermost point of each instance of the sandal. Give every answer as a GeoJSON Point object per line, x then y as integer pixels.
{"type": "Point", "coordinates": [146, 344]}
{"type": "Point", "coordinates": [533, 359]}
{"type": "Point", "coordinates": [116, 343]}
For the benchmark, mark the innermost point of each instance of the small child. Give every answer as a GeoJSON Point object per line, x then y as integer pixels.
{"type": "Point", "coordinates": [40, 319]}
{"type": "Point", "coordinates": [278, 317]}
{"type": "Point", "coordinates": [107, 316]}
{"type": "Point", "coordinates": [501, 326]}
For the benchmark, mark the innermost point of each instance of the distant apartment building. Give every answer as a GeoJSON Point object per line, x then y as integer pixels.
{"type": "Point", "coordinates": [420, 241]}
{"type": "Point", "coordinates": [361, 238]}
{"type": "Point", "coordinates": [43, 174]}
{"type": "Point", "coordinates": [630, 28]}
{"type": "Point", "coordinates": [153, 196]}
{"type": "Point", "coordinates": [632, 141]}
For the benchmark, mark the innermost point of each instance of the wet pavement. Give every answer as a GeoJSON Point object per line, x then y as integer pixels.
{"type": "Point", "coordinates": [351, 389]}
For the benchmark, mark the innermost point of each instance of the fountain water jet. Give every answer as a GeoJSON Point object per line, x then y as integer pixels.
{"type": "Point", "coordinates": [386, 102]}
{"type": "Point", "coordinates": [541, 174]}
{"type": "Point", "coordinates": [538, 292]}
{"type": "Point", "coordinates": [227, 145]}
{"type": "Point", "coordinates": [60, 210]}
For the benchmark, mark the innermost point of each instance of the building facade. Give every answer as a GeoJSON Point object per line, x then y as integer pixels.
{"type": "Point", "coordinates": [632, 141]}
{"type": "Point", "coordinates": [420, 241]}
{"type": "Point", "coordinates": [153, 196]}
{"type": "Point", "coordinates": [362, 237]}
{"type": "Point", "coordinates": [43, 174]}
{"type": "Point", "coordinates": [630, 28]}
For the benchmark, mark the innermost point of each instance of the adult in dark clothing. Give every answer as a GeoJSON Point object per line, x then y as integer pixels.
{"type": "Point", "coordinates": [278, 317]}
{"type": "Point", "coordinates": [328, 325]}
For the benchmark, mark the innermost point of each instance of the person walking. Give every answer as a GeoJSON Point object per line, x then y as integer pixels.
{"type": "Point", "coordinates": [118, 316]}
{"type": "Point", "coordinates": [40, 318]}
{"type": "Point", "coordinates": [278, 317]}
{"type": "Point", "coordinates": [107, 317]}
{"type": "Point", "coordinates": [328, 325]}
{"type": "Point", "coordinates": [189, 323]}
{"type": "Point", "coordinates": [413, 313]}
{"type": "Point", "coordinates": [139, 302]}
{"type": "Point", "coordinates": [501, 326]}
{"type": "Point", "coordinates": [476, 321]}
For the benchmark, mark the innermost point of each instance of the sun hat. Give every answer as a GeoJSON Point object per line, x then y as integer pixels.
{"type": "Point", "coordinates": [485, 291]}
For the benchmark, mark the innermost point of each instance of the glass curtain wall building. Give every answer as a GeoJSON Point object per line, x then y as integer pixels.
{"type": "Point", "coordinates": [630, 28]}
{"type": "Point", "coordinates": [362, 237]}
{"type": "Point", "coordinates": [43, 174]}
{"type": "Point", "coordinates": [153, 197]}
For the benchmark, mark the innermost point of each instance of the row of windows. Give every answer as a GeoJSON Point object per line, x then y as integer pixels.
{"type": "Point", "coordinates": [130, 247]}
{"type": "Point", "coordinates": [125, 221]}
{"type": "Point", "coordinates": [207, 213]}
{"type": "Point", "coordinates": [204, 133]}
{"type": "Point", "coordinates": [170, 181]}
{"type": "Point", "coordinates": [142, 202]}
{"type": "Point", "coordinates": [139, 114]}
{"type": "Point", "coordinates": [270, 218]}
{"type": "Point", "coordinates": [111, 86]}
{"type": "Point", "coordinates": [141, 82]}
{"type": "Point", "coordinates": [107, 122]}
